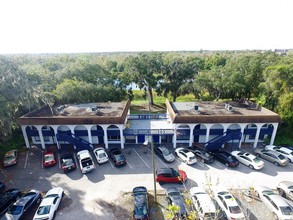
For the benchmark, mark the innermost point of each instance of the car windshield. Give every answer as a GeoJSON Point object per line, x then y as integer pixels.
{"type": "Point", "coordinates": [140, 210]}
{"type": "Point", "coordinates": [235, 209]}
{"type": "Point", "coordinates": [256, 160]}
{"type": "Point", "coordinates": [86, 162]}
{"type": "Point", "coordinates": [43, 210]}
{"type": "Point", "coordinates": [281, 157]}
{"type": "Point", "coordinates": [176, 173]}
{"type": "Point", "coordinates": [165, 151]}
{"type": "Point", "coordinates": [230, 158]}
{"type": "Point", "coordinates": [49, 157]}
{"type": "Point", "coordinates": [9, 157]}
{"type": "Point", "coordinates": [102, 155]}
{"type": "Point", "coordinates": [15, 210]}
{"type": "Point", "coordinates": [286, 210]}
{"type": "Point", "coordinates": [67, 162]}
{"type": "Point", "coordinates": [173, 194]}
{"type": "Point", "coordinates": [119, 157]}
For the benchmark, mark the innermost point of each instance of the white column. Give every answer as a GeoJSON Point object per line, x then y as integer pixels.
{"type": "Point", "coordinates": [88, 127]}
{"type": "Point", "coordinates": [105, 137]}
{"type": "Point", "coordinates": [191, 137]}
{"type": "Point", "coordinates": [257, 135]}
{"type": "Point", "coordinates": [242, 134]}
{"type": "Point", "coordinates": [55, 128]}
{"type": "Point", "coordinates": [274, 133]}
{"type": "Point", "coordinates": [39, 127]}
{"type": "Point", "coordinates": [208, 126]}
{"type": "Point", "coordinates": [121, 138]}
{"type": "Point", "coordinates": [175, 137]}
{"type": "Point", "coordinates": [27, 144]}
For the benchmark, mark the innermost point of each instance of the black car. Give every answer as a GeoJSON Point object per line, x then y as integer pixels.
{"type": "Point", "coordinates": [174, 197]}
{"type": "Point", "coordinates": [140, 197]}
{"type": "Point", "coordinates": [164, 153]}
{"type": "Point", "coordinates": [117, 157]}
{"type": "Point", "coordinates": [67, 162]}
{"type": "Point", "coordinates": [7, 199]}
{"type": "Point", "coordinates": [2, 186]}
{"type": "Point", "coordinates": [22, 205]}
{"type": "Point", "coordinates": [226, 158]}
{"type": "Point", "coordinates": [202, 154]}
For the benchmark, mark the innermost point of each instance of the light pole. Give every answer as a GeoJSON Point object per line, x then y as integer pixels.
{"type": "Point", "coordinates": [150, 139]}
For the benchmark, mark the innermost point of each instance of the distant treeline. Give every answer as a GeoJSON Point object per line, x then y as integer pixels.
{"type": "Point", "coordinates": [29, 81]}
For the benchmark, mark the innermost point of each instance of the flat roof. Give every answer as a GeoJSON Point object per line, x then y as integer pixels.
{"type": "Point", "coordinates": [84, 113]}
{"type": "Point", "coordinates": [220, 112]}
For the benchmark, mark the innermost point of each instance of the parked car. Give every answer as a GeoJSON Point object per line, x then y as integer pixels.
{"type": "Point", "coordinates": [23, 204]}
{"type": "Point", "coordinates": [174, 197]}
{"type": "Point", "coordinates": [285, 189]}
{"type": "Point", "coordinates": [2, 186]}
{"type": "Point", "coordinates": [49, 205]}
{"type": "Point", "coordinates": [67, 162]}
{"type": "Point", "coordinates": [203, 204]}
{"type": "Point", "coordinates": [281, 150]}
{"type": "Point", "coordinates": [140, 200]}
{"type": "Point", "coordinates": [228, 204]}
{"type": "Point", "coordinates": [170, 175]}
{"type": "Point", "coordinates": [277, 204]}
{"type": "Point", "coordinates": [86, 162]}
{"type": "Point", "coordinates": [287, 146]}
{"type": "Point", "coordinates": [10, 158]}
{"type": "Point", "coordinates": [49, 159]}
{"type": "Point", "coordinates": [248, 159]}
{"type": "Point", "coordinates": [164, 153]}
{"type": "Point", "coordinates": [101, 155]}
{"type": "Point", "coordinates": [272, 156]}
{"type": "Point", "coordinates": [226, 158]}
{"type": "Point", "coordinates": [7, 199]}
{"type": "Point", "coordinates": [202, 154]}
{"type": "Point", "coordinates": [186, 155]}
{"type": "Point", "coordinates": [117, 157]}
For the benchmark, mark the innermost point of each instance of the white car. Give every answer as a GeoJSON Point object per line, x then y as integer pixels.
{"type": "Point", "coordinates": [248, 159]}
{"type": "Point", "coordinates": [275, 203]}
{"type": "Point", "coordinates": [186, 155]}
{"type": "Point", "coordinates": [101, 155]}
{"type": "Point", "coordinates": [228, 204]}
{"type": "Point", "coordinates": [281, 150]}
{"type": "Point", "coordinates": [203, 204]}
{"type": "Point", "coordinates": [49, 205]}
{"type": "Point", "coordinates": [85, 161]}
{"type": "Point", "coordinates": [285, 189]}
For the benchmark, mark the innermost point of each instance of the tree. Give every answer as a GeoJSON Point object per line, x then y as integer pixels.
{"type": "Point", "coordinates": [145, 70]}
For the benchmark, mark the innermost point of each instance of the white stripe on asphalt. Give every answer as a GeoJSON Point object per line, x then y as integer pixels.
{"type": "Point", "coordinates": [128, 164]}
{"type": "Point", "coordinates": [25, 162]}
{"type": "Point", "coordinates": [218, 163]}
{"type": "Point", "coordinates": [201, 164]}
{"type": "Point", "coordinates": [141, 158]}
{"type": "Point", "coordinates": [59, 164]}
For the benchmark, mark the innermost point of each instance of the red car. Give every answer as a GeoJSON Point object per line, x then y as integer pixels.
{"type": "Point", "coordinates": [170, 175]}
{"type": "Point", "coordinates": [49, 159]}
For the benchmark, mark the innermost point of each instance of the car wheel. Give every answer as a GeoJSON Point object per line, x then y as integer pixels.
{"type": "Point", "coordinates": [226, 164]}
{"type": "Point", "coordinates": [161, 182]}
{"type": "Point", "coordinates": [250, 166]}
{"type": "Point", "coordinates": [276, 163]}
{"type": "Point", "coordinates": [276, 217]}
{"type": "Point", "coordinates": [281, 192]}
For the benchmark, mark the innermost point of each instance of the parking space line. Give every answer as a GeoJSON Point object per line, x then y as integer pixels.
{"type": "Point", "coordinates": [25, 162]}
{"type": "Point", "coordinates": [128, 164]}
{"type": "Point", "coordinates": [201, 164]}
{"type": "Point", "coordinates": [218, 164]}
{"type": "Point", "coordinates": [141, 158]}
{"type": "Point", "coordinates": [111, 164]}
{"type": "Point", "coordinates": [59, 164]}
{"type": "Point", "coordinates": [76, 161]}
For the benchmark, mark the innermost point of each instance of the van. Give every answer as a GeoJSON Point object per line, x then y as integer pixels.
{"type": "Point", "coordinates": [203, 204]}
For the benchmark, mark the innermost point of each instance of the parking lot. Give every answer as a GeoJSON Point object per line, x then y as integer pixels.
{"type": "Point", "coordinates": [94, 195]}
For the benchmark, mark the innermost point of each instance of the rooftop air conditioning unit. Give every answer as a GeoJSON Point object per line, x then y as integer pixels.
{"type": "Point", "coordinates": [196, 107]}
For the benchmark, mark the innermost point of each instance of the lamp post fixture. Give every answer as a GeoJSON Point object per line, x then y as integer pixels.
{"type": "Point", "coordinates": [150, 140]}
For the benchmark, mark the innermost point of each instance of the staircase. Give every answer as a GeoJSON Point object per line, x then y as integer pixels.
{"type": "Point", "coordinates": [78, 142]}
{"type": "Point", "coordinates": [217, 142]}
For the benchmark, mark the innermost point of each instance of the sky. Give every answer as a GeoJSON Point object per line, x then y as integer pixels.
{"type": "Point", "coordinates": [81, 26]}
